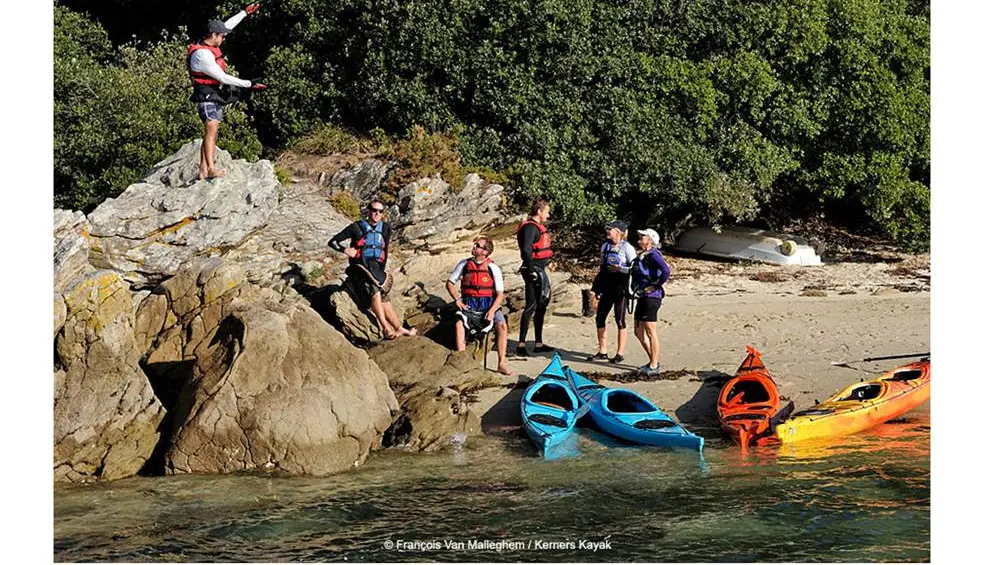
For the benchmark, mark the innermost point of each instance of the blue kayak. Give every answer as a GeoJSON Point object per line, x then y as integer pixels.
{"type": "Point", "coordinates": [629, 416]}
{"type": "Point", "coordinates": [549, 409]}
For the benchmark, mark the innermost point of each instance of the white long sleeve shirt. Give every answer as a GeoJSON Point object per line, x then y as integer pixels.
{"type": "Point", "coordinates": [202, 60]}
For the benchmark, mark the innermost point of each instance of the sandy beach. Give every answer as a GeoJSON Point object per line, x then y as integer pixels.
{"type": "Point", "coordinates": [800, 318]}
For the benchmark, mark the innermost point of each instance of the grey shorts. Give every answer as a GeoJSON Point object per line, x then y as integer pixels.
{"type": "Point", "coordinates": [210, 111]}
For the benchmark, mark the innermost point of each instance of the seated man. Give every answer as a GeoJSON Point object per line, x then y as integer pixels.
{"type": "Point", "coordinates": [367, 255]}
{"type": "Point", "coordinates": [481, 291]}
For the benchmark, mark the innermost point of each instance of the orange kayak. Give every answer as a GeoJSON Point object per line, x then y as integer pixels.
{"type": "Point", "coordinates": [749, 406]}
{"type": "Point", "coordinates": [862, 405]}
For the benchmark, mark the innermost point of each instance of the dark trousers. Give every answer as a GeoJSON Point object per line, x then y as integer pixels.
{"type": "Point", "coordinates": [538, 294]}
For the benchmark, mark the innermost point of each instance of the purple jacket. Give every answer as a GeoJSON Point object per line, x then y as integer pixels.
{"type": "Point", "coordinates": [650, 269]}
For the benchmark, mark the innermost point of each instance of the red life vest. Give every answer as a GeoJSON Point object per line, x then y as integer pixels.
{"type": "Point", "coordinates": [542, 247]}
{"type": "Point", "coordinates": [477, 281]}
{"type": "Point", "coordinates": [203, 78]}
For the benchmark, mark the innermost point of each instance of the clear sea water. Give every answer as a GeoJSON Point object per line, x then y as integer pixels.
{"type": "Point", "coordinates": [860, 498]}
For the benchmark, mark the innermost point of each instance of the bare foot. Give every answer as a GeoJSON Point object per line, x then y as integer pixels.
{"type": "Point", "coordinates": [216, 174]}
{"type": "Point", "coordinates": [503, 370]}
{"type": "Point", "coordinates": [408, 332]}
{"type": "Point", "coordinates": [203, 173]}
{"type": "Point", "coordinates": [390, 336]}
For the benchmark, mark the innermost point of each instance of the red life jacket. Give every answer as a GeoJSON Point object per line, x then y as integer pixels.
{"type": "Point", "coordinates": [477, 281]}
{"type": "Point", "coordinates": [542, 247]}
{"type": "Point", "coordinates": [199, 77]}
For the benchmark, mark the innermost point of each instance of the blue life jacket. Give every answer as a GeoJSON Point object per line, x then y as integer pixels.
{"type": "Point", "coordinates": [371, 245]}
{"type": "Point", "coordinates": [613, 255]}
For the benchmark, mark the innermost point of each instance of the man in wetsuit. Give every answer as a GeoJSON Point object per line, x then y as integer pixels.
{"type": "Point", "coordinates": [535, 250]}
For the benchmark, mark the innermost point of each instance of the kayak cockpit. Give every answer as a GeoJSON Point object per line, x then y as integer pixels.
{"type": "Point", "coordinates": [748, 392]}
{"type": "Point", "coordinates": [908, 375]}
{"type": "Point", "coordinates": [627, 402]}
{"type": "Point", "coordinates": [553, 395]}
{"type": "Point", "coordinates": [869, 391]}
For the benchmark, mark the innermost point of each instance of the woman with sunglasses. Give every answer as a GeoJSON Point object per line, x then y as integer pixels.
{"type": "Point", "coordinates": [611, 286]}
{"type": "Point", "coordinates": [367, 255]}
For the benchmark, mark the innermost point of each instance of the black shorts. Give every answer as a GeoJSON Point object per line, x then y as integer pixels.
{"type": "Point", "coordinates": [363, 284]}
{"type": "Point", "coordinates": [647, 309]}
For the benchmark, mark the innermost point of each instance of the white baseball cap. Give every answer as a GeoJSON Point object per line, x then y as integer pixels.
{"type": "Point", "coordinates": [652, 234]}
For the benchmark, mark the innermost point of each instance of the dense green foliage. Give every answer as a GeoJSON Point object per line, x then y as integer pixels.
{"type": "Point", "coordinates": [716, 110]}
{"type": "Point", "coordinates": [118, 111]}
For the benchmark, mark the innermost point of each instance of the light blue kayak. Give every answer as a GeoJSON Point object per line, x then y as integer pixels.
{"type": "Point", "coordinates": [549, 409]}
{"type": "Point", "coordinates": [629, 416]}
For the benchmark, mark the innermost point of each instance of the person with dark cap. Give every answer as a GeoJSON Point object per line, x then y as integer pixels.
{"type": "Point", "coordinates": [648, 273]}
{"type": "Point", "coordinates": [207, 68]}
{"type": "Point", "coordinates": [534, 243]}
{"type": "Point", "coordinates": [611, 286]}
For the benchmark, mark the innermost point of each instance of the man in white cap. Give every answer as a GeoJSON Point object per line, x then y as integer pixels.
{"type": "Point", "coordinates": [207, 69]}
{"type": "Point", "coordinates": [648, 273]}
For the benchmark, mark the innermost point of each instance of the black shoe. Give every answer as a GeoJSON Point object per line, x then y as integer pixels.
{"type": "Point", "coordinates": [596, 356]}
{"type": "Point", "coordinates": [617, 358]}
{"type": "Point", "coordinates": [521, 351]}
{"type": "Point", "coordinates": [543, 349]}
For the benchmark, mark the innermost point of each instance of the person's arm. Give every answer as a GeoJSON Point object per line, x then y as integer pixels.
{"type": "Point", "coordinates": [451, 284]}
{"type": "Point", "coordinates": [630, 254]}
{"type": "Point", "coordinates": [527, 237]}
{"type": "Point", "coordinates": [663, 268]}
{"type": "Point", "coordinates": [236, 19]}
{"type": "Point", "coordinates": [349, 232]}
{"type": "Point", "coordinates": [203, 62]}
{"type": "Point", "coordinates": [499, 290]}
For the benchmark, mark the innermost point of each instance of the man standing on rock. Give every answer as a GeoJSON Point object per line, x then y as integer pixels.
{"type": "Point", "coordinates": [535, 250]}
{"type": "Point", "coordinates": [207, 69]}
{"type": "Point", "coordinates": [367, 253]}
{"type": "Point", "coordinates": [481, 293]}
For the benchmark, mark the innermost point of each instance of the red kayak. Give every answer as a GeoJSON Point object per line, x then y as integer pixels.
{"type": "Point", "coordinates": [749, 406]}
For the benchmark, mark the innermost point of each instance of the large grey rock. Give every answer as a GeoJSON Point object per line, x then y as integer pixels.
{"type": "Point", "coordinates": [70, 247]}
{"type": "Point", "coordinates": [295, 238]}
{"type": "Point", "coordinates": [431, 212]}
{"type": "Point", "coordinates": [265, 383]}
{"type": "Point", "coordinates": [106, 415]}
{"type": "Point", "coordinates": [435, 387]}
{"type": "Point", "coordinates": [364, 180]}
{"type": "Point", "coordinates": [156, 226]}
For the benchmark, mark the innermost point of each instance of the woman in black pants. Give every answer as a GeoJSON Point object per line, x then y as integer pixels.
{"type": "Point", "coordinates": [611, 286]}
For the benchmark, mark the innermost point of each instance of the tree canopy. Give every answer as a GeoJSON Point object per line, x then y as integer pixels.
{"type": "Point", "coordinates": [717, 110]}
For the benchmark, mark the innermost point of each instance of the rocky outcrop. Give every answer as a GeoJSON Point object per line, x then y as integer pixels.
{"type": "Point", "coordinates": [431, 213]}
{"type": "Point", "coordinates": [106, 415]}
{"type": "Point", "coordinates": [261, 382]}
{"type": "Point", "coordinates": [70, 247]}
{"type": "Point", "coordinates": [435, 387]}
{"type": "Point", "coordinates": [170, 218]}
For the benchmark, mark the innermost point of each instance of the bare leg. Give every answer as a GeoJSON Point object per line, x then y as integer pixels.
{"type": "Point", "coordinates": [622, 336]}
{"type": "Point", "coordinates": [394, 321]}
{"type": "Point", "coordinates": [501, 338]}
{"type": "Point", "coordinates": [653, 340]}
{"type": "Point", "coordinates": [209, 145]}
{"type": "Point", "coordinates": [461, 342]}
{"type": "Point", "coordinates": [376, 304]}
{"type": "Point", "coordinates": [639, 332]}
{"type": "Point", "coordinates": [208, 140]}
{"type": "Point", "coordinates": [601, 338]}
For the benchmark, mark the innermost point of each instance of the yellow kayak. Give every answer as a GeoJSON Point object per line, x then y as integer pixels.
{"type": "Point", "coordinates": [862, 405]}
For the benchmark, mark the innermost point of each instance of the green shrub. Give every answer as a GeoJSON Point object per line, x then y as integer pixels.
{"type": "Point", "coordinates": [346, 205]}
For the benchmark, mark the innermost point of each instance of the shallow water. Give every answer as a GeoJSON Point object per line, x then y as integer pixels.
{"type": "Point", "coordinates": [863, 498]}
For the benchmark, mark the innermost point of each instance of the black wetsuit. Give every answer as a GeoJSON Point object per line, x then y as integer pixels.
{"type": "Point", "coordinates": [537, 284]}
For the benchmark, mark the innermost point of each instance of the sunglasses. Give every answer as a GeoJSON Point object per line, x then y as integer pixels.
{"type": "Point", "coordinates": [479, 246]}
{"type": "Point", "coordinates": [377, 210]}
